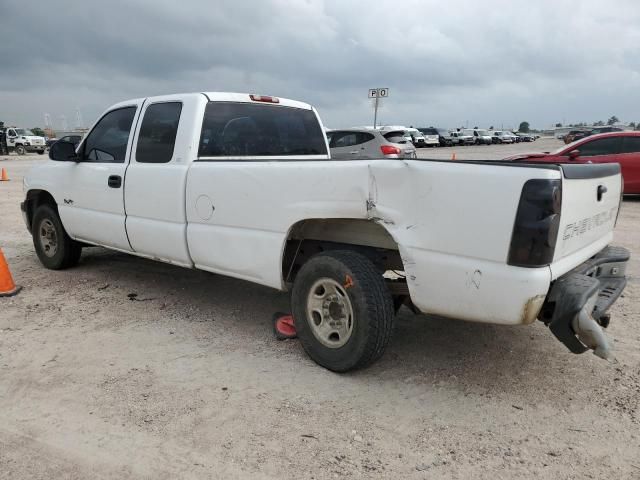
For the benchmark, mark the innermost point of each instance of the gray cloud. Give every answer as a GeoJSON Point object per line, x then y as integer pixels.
{"type": "Point", "coordinates": [446, 64]}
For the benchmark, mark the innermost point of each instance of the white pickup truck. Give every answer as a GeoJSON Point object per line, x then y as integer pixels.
{"type": "Point", "coordinates": [243, 185]}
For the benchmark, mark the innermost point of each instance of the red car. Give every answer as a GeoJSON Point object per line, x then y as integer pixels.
{"type": "Point", "coordinates": [615, 147]}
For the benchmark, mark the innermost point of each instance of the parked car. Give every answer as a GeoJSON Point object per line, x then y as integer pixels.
{"type": "Point", "coordinates": [617, 147]}
{"type": "Point", "coordinates": [461, 138]}
{"type": "Point", "coordinates": [244, 186]}
{"type": "Point", "coordinates": [574, 135]}
{"type": "Point", "coordinates": [363, 144]}
{"type": "Point", "coordinates": [513, 136]}
{"type": "Point", "coordinates": [434, 136]}
{"type": "Point", "coordinates": [481, 137]}
{"type": "Point", "coordinates": [444, 137]}
{"type": "Point", "coordinates": [501, 137]}
{"type": "Point", "coordinates": [417, 138]}
{"type": "Point", "coordinates": [525, 137]}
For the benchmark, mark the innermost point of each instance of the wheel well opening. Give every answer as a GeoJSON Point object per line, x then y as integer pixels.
{"type": "Point", "coordinates": [36, 198]}
{"type": "Point", "coordinates": [309, 237]}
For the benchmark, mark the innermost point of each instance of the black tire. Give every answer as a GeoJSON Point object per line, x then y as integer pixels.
{"type": "Point", "coordinates": [67, 251]}
{"type": "Point", "coordinates": [20, 150]}
{"type": "Point", "coordinates": [370, 302]}
{"type": "Point", "coordinates": [40, 152]}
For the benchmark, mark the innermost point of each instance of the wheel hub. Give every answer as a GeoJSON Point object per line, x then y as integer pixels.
{"type": "Point", "coordinates": [330, 313]}
{"type": "Point", "coordinates": [48, 238]}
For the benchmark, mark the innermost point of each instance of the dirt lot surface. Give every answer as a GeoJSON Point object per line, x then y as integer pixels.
{"type": "Point", "coordinates": [187, 381]}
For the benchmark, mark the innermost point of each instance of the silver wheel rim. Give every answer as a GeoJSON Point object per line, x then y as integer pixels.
{"type": "Point", "coordinates": [330, 313]}
{"type": "Point", "coordinates": [48, 237]}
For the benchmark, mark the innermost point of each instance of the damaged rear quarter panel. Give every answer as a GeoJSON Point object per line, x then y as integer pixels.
{"type": "Point", "coordinates": [453, 223]}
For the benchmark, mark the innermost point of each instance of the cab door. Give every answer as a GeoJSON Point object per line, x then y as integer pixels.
{"type": "Point", "coordinates": [92, 206]}
{"type": "Point", "coordinates": [163, 148]}
{"type": "Point", "coordinates": [11, 137]}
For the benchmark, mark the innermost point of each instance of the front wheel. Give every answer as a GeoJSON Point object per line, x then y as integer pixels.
{"type": "Point", "coordinates": [20, 150]}
{"type": "Point", "coordinates": [55, 249]}
{"type": "Point", "coordinates": [343, 310]}
{"type": "Point", "coordinates": [40, 152]}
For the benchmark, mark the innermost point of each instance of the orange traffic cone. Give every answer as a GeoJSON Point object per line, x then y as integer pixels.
{"type": "Point", "coordinates": [7, 287]}
{"type": "Point", "coordinates": [453, 156]}
{"type": "Point", "coordinates": [4, 177]}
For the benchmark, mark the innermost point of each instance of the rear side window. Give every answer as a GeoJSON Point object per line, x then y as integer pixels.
{"type": "Point", "coordinates": [343, 139]}
{"type": "Point", "coordinates": [158, 131]}
{"type": "Point", "coordinates": [601, 146]}
{"type": "Point", "coordinates": [349, 139]}
{"type": "Point", "coordinates": [630, 145]}
{"type": "Point", "coordinates": [246, 129]}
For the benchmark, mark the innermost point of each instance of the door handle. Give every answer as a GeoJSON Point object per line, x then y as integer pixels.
{"type": "Point", "coordinates": [115, 181]}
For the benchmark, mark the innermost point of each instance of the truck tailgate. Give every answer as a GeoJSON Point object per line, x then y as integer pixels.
{"type": "Point", "coordinates": [590, 202]}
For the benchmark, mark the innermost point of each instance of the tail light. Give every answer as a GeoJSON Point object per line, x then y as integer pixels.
{"type": "Point", "coordinates": [264, 98]}
{"type": "Point", "coordinates": [535, 231]}
{"type": "Point", "coordinates": [390, 150]}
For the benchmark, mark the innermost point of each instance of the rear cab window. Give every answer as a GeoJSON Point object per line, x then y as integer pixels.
{"type": "Point", "coordinates": [235, 129]}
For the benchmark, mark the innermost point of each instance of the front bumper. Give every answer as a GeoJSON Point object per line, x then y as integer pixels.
{"type": "Point", "coordinates": [576, 307]}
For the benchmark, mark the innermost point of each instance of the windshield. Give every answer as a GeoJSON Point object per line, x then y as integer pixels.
{"type": "Point", "coordinates": [22, 131]}
{"type": "Point", "coordinates": [467, 132]}
{"type": "Point", "coordinates": [429, 131]}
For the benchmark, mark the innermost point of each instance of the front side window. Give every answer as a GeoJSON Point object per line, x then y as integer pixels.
{"type": "Point", "coordinates": [107, 142]}
{"type": "Point", "coordinates": [601, 146]}
{"type": "Point", "coordinates": [11, 133]}
{"type": "Point", "coordinates": [631, 145]}
{"type": "Point", "coordinates": [158, 132]}
{"type": "Point", "coordinates": [232, 129]}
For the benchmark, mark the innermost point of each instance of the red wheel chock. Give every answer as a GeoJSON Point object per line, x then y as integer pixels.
{"type": "Point", "coordinates": [283, 326]}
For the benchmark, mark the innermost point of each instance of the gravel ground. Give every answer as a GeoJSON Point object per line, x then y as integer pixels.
{"type": "Point", "coordinates": [187, 381]}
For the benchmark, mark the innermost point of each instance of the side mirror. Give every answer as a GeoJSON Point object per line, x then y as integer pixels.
{"type": "Point", "coordinates": [573, 154]}
{"type": "Point", "coordinates": [62, 151]}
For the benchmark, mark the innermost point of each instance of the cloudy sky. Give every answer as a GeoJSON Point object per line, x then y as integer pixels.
{"type": "Point", "coordinates": [445, 63]}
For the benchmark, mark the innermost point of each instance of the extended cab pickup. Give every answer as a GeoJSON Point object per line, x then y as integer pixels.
{"type": "Point", "coordinates": [243, 185]}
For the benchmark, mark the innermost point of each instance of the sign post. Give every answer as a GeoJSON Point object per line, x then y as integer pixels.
{"type": "Point", "coordinates": [377, 94]}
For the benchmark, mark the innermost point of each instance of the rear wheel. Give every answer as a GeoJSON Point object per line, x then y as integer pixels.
{"type": "Point", "coordinates": [55, 249]}
{"type": "Point", "coordinates": [343, 310]}
{"type": "Point", "coordinates": [40, 152]}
